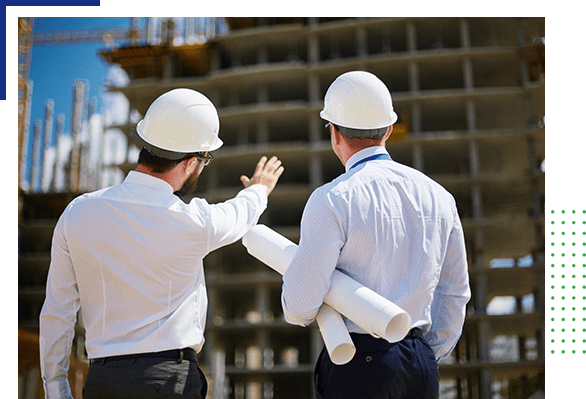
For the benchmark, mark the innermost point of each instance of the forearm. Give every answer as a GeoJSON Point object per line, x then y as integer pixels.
{"type": "Point", "coordinates": [448, 308]}
{"type": "Point", "coordinates": [447, 321]}
{"type": "Point", "coordinates": [55, 350]}
{"type": "Point", "coordinates": [231, 219]}
{"type": "Point", "coordinates": [57, 319]}
{"type": "Point", "coordinates": [57, 330]}
{"type": "Point", "coordinates": [307, 279]}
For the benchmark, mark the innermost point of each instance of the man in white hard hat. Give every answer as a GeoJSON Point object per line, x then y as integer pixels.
{"type": "Point", "coordinates": [130, 256]}
{"type": "Point", "coordinates": [392, 229]}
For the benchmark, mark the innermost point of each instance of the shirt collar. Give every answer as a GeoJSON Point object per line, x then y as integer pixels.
{"type": "Point", "coordinates": [367, 152]}
{"type": "Point", "coordinates": [143, 179]}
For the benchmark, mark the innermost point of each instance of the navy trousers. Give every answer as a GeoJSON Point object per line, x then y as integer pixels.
{"type": "Point", "coordinates": [145, 376]}
{"type": "Point", "coordinates": [380, 370]}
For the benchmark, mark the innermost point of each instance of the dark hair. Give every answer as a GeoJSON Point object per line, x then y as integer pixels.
{"type": "Point", "coordinates": [158, 164]}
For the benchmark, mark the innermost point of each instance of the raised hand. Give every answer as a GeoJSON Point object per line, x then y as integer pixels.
{"type": "Point", "coordinates": [266, 173]}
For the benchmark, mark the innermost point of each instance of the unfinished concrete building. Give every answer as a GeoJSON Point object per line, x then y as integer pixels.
{"type": "Point", "coordinates": [470, 94]}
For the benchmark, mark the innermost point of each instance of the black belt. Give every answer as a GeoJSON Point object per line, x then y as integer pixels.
{"type": "Point", "coordinates": [175, 354]}
{"type": "Point", "coordinates": [415, 333]}
{"type": "Point", "coordinates": [367, 342]}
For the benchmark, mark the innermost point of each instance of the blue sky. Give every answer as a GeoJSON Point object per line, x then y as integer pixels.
{"type": "Point", "coordinates": [54, 68]}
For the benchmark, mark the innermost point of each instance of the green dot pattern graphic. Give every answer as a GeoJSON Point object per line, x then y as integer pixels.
{"type": "Point", "coordinates": [565, 276]}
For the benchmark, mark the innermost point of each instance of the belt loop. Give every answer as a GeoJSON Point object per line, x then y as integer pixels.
{"type": "Point", "coordinates": [180, 356]}
{"type": "Point", "coordinates": [103, 361]}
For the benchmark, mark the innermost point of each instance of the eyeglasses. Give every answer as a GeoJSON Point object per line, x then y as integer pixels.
{"type": "Point", "coordinates": [207, 159]}
{"type": "Point", "coordinates": [328, 127]}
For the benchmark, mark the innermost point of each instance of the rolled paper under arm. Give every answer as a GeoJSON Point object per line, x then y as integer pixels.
{"type": "Point", "coordinates": [335, 334]}
{"type": "Point", "coordinates": [366, 308]}
{"type": "Point", "coordinates": [276, 251]}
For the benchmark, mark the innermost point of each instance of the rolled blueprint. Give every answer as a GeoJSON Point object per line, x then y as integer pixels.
{"type": "Point", "coordinates": [276, 251]}
{"type": "Point", "coordinates": [336, 337]}
{"type": "Point", "coordinates": [369, 310]}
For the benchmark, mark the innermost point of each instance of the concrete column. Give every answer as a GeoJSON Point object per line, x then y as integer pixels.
{"type": "Point", "coordinates": [314, 97]}
{"type": "Point", "coordinates": [477, 204]}
{"type": "Point", "coordinates": [415, 122]}
{"type": "Point", "coordinates": [37, 159]}
{"type": "Point", "coordinates": [464, 33]}
{"type": "Point", "coordinates": [313, 90]}
{"type": "Point", "coordinates": [418, 158]}
{"type": "Point", "coordinates": [411, 35]}
{"type": "Point", "coordinates": [413, 76]}
{"type": "Point", "coordinates": [48, 160]}
{"type": "Point", "coordinates": [262, 131]}
{"type": "Point", "coordinates": [484, 389]}
{"type": "Point", "coordinates": [471, 115]}
{"type": "Point", "coordinates": [468, 73]}
{"type": "Point", "coordinates": [474, 159]}
{"type": "Point", "coordinates": [315, 171]}
{"type": "Point", "coordinates": [316, 129]}
{"type": "Point", "coordinates": [79, 96]}
{"type": "Point", "coordinates": [312, 49]}
{"type": "Point", "coordinates": [263, 307]}
{"type": "Point", "coordinates": [59, 166]}
{"type": "Point", "coordinates": [361, 41]}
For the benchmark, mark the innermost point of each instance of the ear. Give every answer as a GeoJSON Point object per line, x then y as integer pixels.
{"type": "Point", "coordinates": [190, 165]}
{"type": "Point", "coordinates": [388, 133]}
{"type": "Point", "coordinates": [336, 136]}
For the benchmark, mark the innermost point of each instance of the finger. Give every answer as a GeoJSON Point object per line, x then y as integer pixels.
{"type": "Point", "coordinates": [245, 180]}
{"type": "Point", "coordinates": [260, 165]}
{"type": "Point", "coordinates": [273, 164]}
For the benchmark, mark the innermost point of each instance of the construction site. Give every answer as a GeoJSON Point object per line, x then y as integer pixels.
{"type": "Point", "coordinates": [470, 95]}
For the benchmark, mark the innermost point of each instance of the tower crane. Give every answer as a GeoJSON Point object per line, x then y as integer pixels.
{"type": "Point", "coordinates": [27, 39]}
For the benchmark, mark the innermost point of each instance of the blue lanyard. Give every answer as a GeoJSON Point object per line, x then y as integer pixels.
{"type": "Point", "coordinates": [371, 158]}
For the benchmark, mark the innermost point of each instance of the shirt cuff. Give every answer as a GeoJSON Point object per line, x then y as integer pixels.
{"type": "Point", "coordinates": [58, 389]}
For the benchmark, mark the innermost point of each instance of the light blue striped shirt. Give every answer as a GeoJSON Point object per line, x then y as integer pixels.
{"type": "Point", "coordinates": [396, 231]}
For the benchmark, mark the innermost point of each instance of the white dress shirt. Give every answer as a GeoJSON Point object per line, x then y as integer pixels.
{"type": "Point", "coordinates": [394, 230]}
{"type": "Point", "coordinates": [131, 256]}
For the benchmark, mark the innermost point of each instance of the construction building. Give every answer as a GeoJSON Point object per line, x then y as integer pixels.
{"type": "Point", "coordinates": [470, 95]}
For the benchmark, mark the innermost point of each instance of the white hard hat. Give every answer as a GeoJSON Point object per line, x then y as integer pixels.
{"type": "Point", "coordinates": [177, 123]}
{"type": "Point", "coordinates": [360, 102]}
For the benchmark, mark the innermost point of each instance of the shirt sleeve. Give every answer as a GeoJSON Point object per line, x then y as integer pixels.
{"type": "Point", "coordinates": [57, 318]}
{"type": "Point", "coordinates": [231, 220]}
{"type": "Point", "coordinates": [308, 278]}
{"type": "Point", "coordinates": [448, 308]}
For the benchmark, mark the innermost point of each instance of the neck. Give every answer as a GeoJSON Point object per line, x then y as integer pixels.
{"type": "Point", "coordinates": [172, 176]}
{"type": "Point", "coordinates": [345, 147]}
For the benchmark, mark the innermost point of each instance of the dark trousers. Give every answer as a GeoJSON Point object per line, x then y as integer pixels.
{"type": "Point", "coordinates": [174, 374]}
{"type": "Point", "coordinates": [380, 370]}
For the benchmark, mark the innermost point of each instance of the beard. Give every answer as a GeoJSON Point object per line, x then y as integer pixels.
{"type": "Point", "coordinates": [189, 187]}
